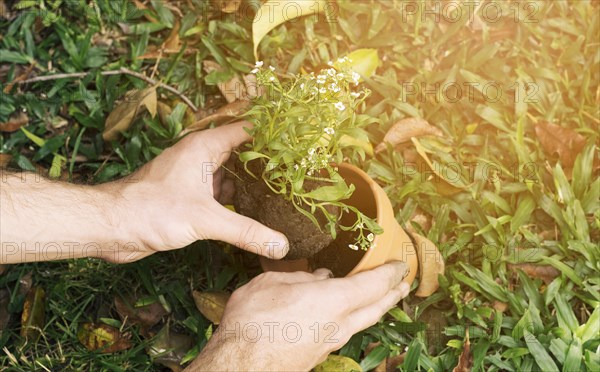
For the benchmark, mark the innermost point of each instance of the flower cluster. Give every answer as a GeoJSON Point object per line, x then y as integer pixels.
{"type": "Point", "coordinates": [303, 127]}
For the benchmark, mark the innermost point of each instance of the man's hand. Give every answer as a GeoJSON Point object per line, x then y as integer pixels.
{"type": "Point", "coordinates": [169, 203]}
{"type": "Point", "coordinates": [292, 321]}
{"type": "Point", "coordinates": [174, 200]}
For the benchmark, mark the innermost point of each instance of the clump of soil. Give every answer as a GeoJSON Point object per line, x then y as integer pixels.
{"type": "Point", "coordinates": [254, 199]}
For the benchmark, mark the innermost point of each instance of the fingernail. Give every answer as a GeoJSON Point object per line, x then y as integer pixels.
{"type": "Point", "coordinates": [404, 289]}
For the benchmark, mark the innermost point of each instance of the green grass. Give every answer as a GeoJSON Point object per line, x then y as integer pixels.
{"type": "Point", "coordinates": [540, 209]}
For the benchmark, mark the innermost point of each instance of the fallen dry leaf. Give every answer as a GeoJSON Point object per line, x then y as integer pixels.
{"type": "Point", "coordinates": [147, 15]}
{"type": "Point", "coordinates": [172, 41]}
{"type": "Point", "coordinates": [233, 89]}
{"type": "Point", "coordinates": [221, 116]}
{"type": "Point", "coordinates": [15, 122]}
{"type": "Point", "coordinates": [5, 160]}
{"type": "Point", "coordinates": [102, 338]}
{"type": "Point", "coordinates": [145, 316]}
{"type": "Point", "coordinates": [168, 348]}
{"type": "Point", "coordinates": [465, 361]}
{"type": "Point", "coordinates": [211, 304]}
{"type": "Point", "coordinates": [164, 111]}
{"type": "Point", "coordinates": [565, 143]}
{"type": "Point", "coordinates": [443, 185]}
{"type": "Point", "coordinates": [405, 129]}
{"type": "Point", "coordinates": [34, 314]}
{"type": "Point", "coordinates": [431, 264]}
{"type": "Point", "coordinates": [545, 272]}
{"type": "Point", "coordinates": [500, 306]}
{"type": "Point", "coordinates": [229, 6]}
{"type": "Point", "coordinates": [123, 115]}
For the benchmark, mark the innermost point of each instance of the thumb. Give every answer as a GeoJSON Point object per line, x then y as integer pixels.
{"type": "Point", "coordinates": [248, 234]}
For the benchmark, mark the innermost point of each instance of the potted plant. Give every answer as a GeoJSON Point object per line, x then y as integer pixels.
{"type": "Point", "coordinates": [293, 175]}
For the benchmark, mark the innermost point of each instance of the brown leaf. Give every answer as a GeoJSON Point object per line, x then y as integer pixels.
{"type": "Point", "coordinates": [5, 160]}
{"type": "Point", "coordinates": [406, 129]}
{"type": "Point", "coordinates": [168, 348]}
{"type": "Point", "coordinates": [147, 15]}
{"type": "Point", "coordinates": [228, 6]}
{"type": "Point", "coordinates": [500, 306]}
{"type": "Point", "coordinates": [443, 185]}
{"type": "Point", "coordinates": [172, 41]}
{"type": "Point", "coordinates": [123, 115]}
{"type": "Point", "coordinates": [211, 304]}
{"type": "Point", "coordinates": [565, 143]}
{"type": "Point", "coordinates": [233, 89]}
{"type": "Point", "coordinates": [102, 338]}
{"type": "Point", "coordinates": [431, 264]}
{"type": "Point", "coordinates": [221, 116]}
{"type": "Point", "coordinates": [15, 122]}
{"type": "Point", "coordinates": [34, 314]}
{"type": "Point", "coordinates": [164, 111]}
{"type": "Point", "coordinates": [465, 361]}
{"type": "Point", "coordinates": [146, 316]}
{"type": "Point", "coordinates": [545, 272]}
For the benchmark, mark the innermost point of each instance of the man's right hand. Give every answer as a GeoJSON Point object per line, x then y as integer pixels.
{"type": "Point", "coordinates": [292, 321]}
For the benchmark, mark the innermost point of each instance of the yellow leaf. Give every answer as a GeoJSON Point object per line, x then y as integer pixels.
{"type": "Point", "coordinates": [123, 115]}
{"type": "Point", "coordinates": [431, 264]}
{"type": "Point", "coordinates": [211, 304]}
{"type": "Point", "coordinates": [338, 363]}
{"type": "Point", "coordinates": [444, 187]}
{"type": "Point", "coordinates": [272, 13]}
{"type": "Point", "coordinates": [364, 62]}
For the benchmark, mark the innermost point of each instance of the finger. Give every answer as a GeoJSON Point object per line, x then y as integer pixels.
{"type": "Point", "coordinates": [370, 286]}
{"type": "Point", "coordinates": [246, 233]}
{"type": "Point", "coordinates": [323, 273]}
{"type": "Point", "coordinates": [216, 184]}
{"type": "Point", "coordinates": [225, 138]}
{"type": "Point", "coordinates": [295, 277]}
{"type": "Point", "coordinates": [367, 316]}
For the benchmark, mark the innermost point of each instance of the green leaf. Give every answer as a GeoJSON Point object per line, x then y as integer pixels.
{"type": "Point", "coordinates": [574, 357]}
{"type": "Point", "coordinates": [8, 56]}
{"type": "Point", "coordinates": [375, 357]}
{"type": "Point", "coordinates": [591, 329]}
{"type": "Point", "coordinates": [541, 356]}
{"type": "Point", "coordinates": [570, 273]}
{"type": "Point", "coordinates": [412, 356]}
{"type": "Point", "coordinates": [363, 61]}
{"type": "Point", "coordinates": [330, 193]}
{"type": "Point", "coordinates": [335, 363]}
{"type": "Point", "coordinates": [35, 139]}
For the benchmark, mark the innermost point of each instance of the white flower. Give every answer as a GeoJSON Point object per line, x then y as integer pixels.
{"type": "Point", "coordinates": [333, 87]}
{"type": "Point", "coordinates": [296, 167]}
{"type": "Point", "coordinates": [353, 247]}
{"type": "Point", "coordinates": [355, 94]}
{"type": "Point", "coordinates": [329, 63]}
{"type": "Point", "coordinates": [329, 130]}
{"type": "Point", "coordinates": [322, 90]}
{"type": "Point", "coordinates": [272, 78]}
{"type": "Point", "coordinates": [259, 64]}
{"type": "Point", "coordinates": [330, 72]}
{"type": "Point", "coordinates": [302, 86]}
{"type": "Point", "coordinates": [340, 106]}
{"type": "Point", "coordinates": [254, 71]}
{"type": "Point", "coordinates": [370, 237]}
{"type": "Point", "coordinates": [343, 59]}
{"type": "Point", "coordinates": [360, 225]}
{"type": "Point", "coordinates": [355, 77]}
{"type": "Point", "coordinates": [271, 68]}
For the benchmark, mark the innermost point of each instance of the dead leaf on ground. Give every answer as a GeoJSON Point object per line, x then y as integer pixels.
{"type": "Point", "coordinates": [34, 314]}
{"type": "Point", "coordinates": [338, 363]}
{"type": "Point", "coordinates": [123, 115]}
{"type": "Point", "coordinates": [228, 6]}
{"type": "Point", "coordinates": [443, 185]}
{"type": "Point", "coordinates": [431, 264]}
{"type": "Point", "coordinates": [233, 89]}
{"type": "Point", "coordinates": [500, 306]}
{"type": "Point", "coordinates": [168, 348]}
{"type": "Point", "coordinates": [142, 6]}
{"type": "Point", "coordinates": [22, 76]}
{"type": "Point", "coordinates": [211, 304]}
{"type": "Point", "coordinates": [545, 272]}
{"type": "Point", "coordinates": [565, 143]}
{"type": "Point", "coordinates": [221, 116]}
{"type": "Point", "coordinates": [25, 283]}
{"type": "Point", "coordinates": [102, 338]}
{"type": "Point", "coordinates": [465, 361]}
{"type": "Point", "coordinates": [405, 129]}
{"type": "Point", "coordinates": [164, 111]}
{"type": "Point", "coordinates": [172, 41]}
{"type": "Point", "coordinates": [15, 122]}
{"type": "Point", "coordinates": [145, 316]}
{"type": "Point", "coordinates": [5, 160]}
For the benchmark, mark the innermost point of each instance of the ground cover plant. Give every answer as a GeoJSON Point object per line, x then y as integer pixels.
{"type": "Point", "coordinates": [484, 129]}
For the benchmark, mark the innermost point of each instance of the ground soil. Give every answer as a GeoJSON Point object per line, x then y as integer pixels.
{"type": "Point", "coordinates": [254, 199]}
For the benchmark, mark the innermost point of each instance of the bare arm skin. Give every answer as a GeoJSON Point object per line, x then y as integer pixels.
{"type": "Point", "coordinates": [169, 203]}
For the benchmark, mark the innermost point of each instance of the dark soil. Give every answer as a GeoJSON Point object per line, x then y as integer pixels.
{"type": "Point", "coordinates": [254, 199]}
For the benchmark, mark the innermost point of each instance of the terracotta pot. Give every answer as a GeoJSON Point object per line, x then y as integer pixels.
{"type": "Point", "coordinates": [393, 245]}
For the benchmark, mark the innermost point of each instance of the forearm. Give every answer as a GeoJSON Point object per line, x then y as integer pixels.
{"type": "Point", "coordinates": [44, 220]}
